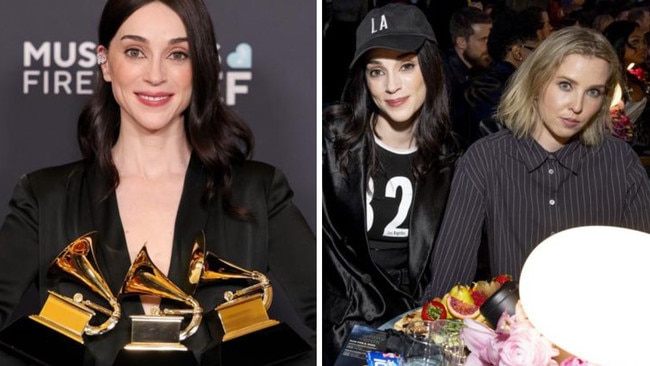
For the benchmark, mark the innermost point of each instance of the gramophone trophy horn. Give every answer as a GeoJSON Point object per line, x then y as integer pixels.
{"type": "Point", "coordinates": [245, 320]}
{"type": "Point", "coordinates": [55, 335]}
{"type": "Point", "coordinates": [244, 311]}
{"type": "Point", "coordinates": [161, 330]}
{"type": "Point", "coordinates": [71, 316]}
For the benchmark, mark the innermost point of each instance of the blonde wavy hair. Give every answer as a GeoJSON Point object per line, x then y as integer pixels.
{"type": "Point", "coordinates": [518, 107]}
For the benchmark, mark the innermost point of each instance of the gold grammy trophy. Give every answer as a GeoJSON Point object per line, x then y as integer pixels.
{"type": "Point", "coordinates": [55, 335]}
{"type": "Point", "coordinates": [250, 337]}
{"type": "Point", "coordinates": [161, 330]}
{"type": "Point", "coordinates": [71, 316]}
{"type": "Point", "coordinates": [245, 310]}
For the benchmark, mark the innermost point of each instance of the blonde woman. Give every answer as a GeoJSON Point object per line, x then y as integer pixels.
{"type": "Point", "coordinates": [554, 167]}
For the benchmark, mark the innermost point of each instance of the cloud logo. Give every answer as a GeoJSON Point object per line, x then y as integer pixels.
{"type": "Point", "coordinates": [242, 58]}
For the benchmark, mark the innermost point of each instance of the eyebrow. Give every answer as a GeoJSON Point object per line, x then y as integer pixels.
{"type": "Point", "coordinates": [144, 40]}
{"type": "Point", "coordinates": [575, 82]}
{"type": "Point", "coordinates": [401, 56]}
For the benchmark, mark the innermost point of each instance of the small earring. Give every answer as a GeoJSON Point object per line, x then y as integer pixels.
{"type": "Point", "coordinates": [101, 58]}
{"type": "Point", "coordinates": [518, 56]}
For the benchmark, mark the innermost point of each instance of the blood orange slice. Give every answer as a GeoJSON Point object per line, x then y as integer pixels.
{"type": "Point", "coordinates": [460, 309]}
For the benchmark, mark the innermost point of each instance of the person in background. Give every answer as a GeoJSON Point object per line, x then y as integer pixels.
{"type": "Point", "coordinates": [469, 28]}
{"type": "Point", "coordinates": [164, 159]}
{"type": "Point", "coordinates": [540, 20]}
{"type": "Point", "coordinates": [630, 45]}
{"type": "Point", "coordinates": [554, 167]}
{"type": "Point", "coordinates": [387, 166]}
{"type": "Point", "coordinates": [509, 44]}
{"type": "Point", "coordinates": [640, 15]}
{"type": "Point", "coordinates": [601, 22]}
{"type": "Point", "coordinates": [338, 44]}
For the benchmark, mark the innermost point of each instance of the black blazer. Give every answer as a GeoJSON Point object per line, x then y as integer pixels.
{"type": "Point", "coordinates": [52, 207]}
{"type": "Point", "coordinates": [355, 291]}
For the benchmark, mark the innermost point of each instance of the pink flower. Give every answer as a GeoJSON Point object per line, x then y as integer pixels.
{"type": "Point", "coordinates": [515, 342]}
{"type": "Point", "coordinates": [482, 342]}
{"type": "Point", "coordinates": [526, 347]}
{"type": "Point", "coordinates": [575, 361]}
{"type": "Point", "coordinates": [621, 126]}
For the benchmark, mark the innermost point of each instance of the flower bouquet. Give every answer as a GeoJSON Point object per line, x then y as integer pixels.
{"type": "Point", "coordinates": [515, 342]}
{"type": "Point", "coordinates": [622, 126]}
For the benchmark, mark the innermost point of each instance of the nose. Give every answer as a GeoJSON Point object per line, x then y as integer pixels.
{"type": "Point", "coordinates": [576, 103]}
{"type": "Point", "coordinates": [155, 72]}
{"type": "Point", "coordinates": [393, 82]}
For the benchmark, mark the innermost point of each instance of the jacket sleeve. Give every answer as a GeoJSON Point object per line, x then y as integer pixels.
{"type": "Point", "coordinates": [637, 200]}
{"type": "Point", "coordinates": [454, 256]}
{"type": "Point", "coordinates": [19, 252]}
{"type": "Point", "coordinates": [292, 252]}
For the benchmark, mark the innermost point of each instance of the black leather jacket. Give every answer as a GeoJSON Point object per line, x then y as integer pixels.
{"type": "Point", "coordinates": [355, 291]}
{"type": "Point", "coordinates": [52, 207]}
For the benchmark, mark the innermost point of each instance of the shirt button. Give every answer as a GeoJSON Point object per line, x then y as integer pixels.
{"type": "Point", "coordinates": [551, 171]}
{"type": "Point", "coordinates": [551, 202]}
{"type": "Point", "coordinates": [369, 317]}
{"type": "Point", "coordinates": [366, 278]}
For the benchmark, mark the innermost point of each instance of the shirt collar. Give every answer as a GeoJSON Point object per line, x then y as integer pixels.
{"type": "Point", "coordinates": [534, 155]}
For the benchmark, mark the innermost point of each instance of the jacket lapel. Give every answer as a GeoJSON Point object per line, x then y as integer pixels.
{"type": "Point", "coordinates": [102, 214]}
{"type": "Point", "coordinates": [428, 208]}
{"type": "Point", "coordinates": [191, 220]}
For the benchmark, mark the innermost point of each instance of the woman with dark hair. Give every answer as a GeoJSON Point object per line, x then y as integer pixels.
{"type": "Point", "coordinates": [631, 47]}
{"type": "Point", "coordinates": [164, 160]}
{"type": "Point", "coordinates": [387, 165]}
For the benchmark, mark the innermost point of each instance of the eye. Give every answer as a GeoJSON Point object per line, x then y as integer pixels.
{"type": "Point", "coordinates": [134, 53]}
{"type": "Point", "coordinates": [373, 73]}
{"type": "Point", "coordinates": [595, 93]}
{"type": "Point", "coordinates": [634, 43]}
{"type": "Point", "coordinates": [179, 56]}
{"type": "Point", "coordinates": [408, 66]}
{"type": "Point", "coordinates": [564, 85]}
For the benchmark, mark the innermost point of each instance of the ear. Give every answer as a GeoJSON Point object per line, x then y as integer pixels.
{"type": "Point", "coordinates": [102, 60]}
{"type": "Point", "coordinates": [461, 43]}
{"type": "Point", "coordinates": [515, 51]}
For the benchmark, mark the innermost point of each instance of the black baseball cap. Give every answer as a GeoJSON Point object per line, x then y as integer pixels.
{"type": "Point", "coordinates": [395, 26]}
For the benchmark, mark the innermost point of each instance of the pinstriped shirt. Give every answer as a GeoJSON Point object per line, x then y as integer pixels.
{"type": "Point", "coordinates": [521, 194]}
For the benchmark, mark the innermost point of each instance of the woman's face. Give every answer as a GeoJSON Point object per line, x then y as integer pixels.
{"type": "Point", "coordinates": [396, 84]}
{"type": "Point", "coordinates": [636, 48]}
{"type": "Point", "coordinates": [149, 69]}
{"type": "Point", "coordinates": [571, 99]}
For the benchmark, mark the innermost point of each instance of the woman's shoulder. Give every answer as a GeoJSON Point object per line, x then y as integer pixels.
{"type": "Point", "coordinates": [613, 146]}
{"type": "Point", "coordinates": [56, 173]}
{"type": "Point", "coordinates": [50, 182]}
{"type": "Point", "coordinates": [492, 143]}
{"type": "Point", "coordinates": [253, 168]}
{"type": "Point", "coordinates": [251, 173]}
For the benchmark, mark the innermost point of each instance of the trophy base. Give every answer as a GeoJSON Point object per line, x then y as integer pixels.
{"type": "Point", "coordinates": [142, 346]}
{"type": "Point", "coordinates": [249, 329]}
{"type": "Point", "coordinates": [75, 336]}
{"type": "Point", "coordinates": [155, 333]}
{"type": "Point", "coordinates": [159, 358]}
{"type": "Point", "coordinates": [37, 344]}
{"type": "Point", "coordinates": [268, 346]}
